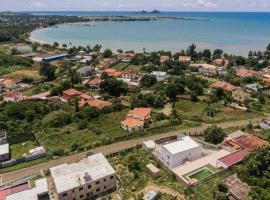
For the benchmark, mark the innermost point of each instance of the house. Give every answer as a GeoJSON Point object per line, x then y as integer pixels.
{"type": "Point", "coordinates": [112, 72]}
{"type": "Point", "coordinates": [142, 114]}
{"type": "Point", "coordinates": [222, 71]}
{"type": "Point", "coordinates": [13, 96]}
{"type": "Point", "coordinates": [85, 59]}
{"type": "Point", "coordinates": [71, 94]}
{"type": "Point", "coordinates": [240, 96]}
{"type": "Point", "coordinates": [86, 179]}
{"type": "Point", "coordinates": [39, 191]}
{"type": "Point", "coordinates": [95, 83]}
{"type": "Point", "coordinates": [107, 62]}
{"type": "Point", "coordinates": [224, 85]}
{"type": "Point", "coordinates": [126, 57]}
{"type": "Point", "coordinates": [205, 69]}
{"type": "Point", "coordinates": [221, 62]}
{"type": "Point", "coordinates": [130, 75]}
{"type": "Point", "coordinates": [185, 59]}
{"type": "Point", "coordinates": [97, 103]}
{"type": "Point", "coordinates": [85, 71]}
{"type": "Point", "coordinates": [244, 73]}
{"type": "Point", "coordinates": [246, 142]}
{"type": "Point", "coordinates": [265, 124]}
{"type": "Point", "coordinates": [131, 124]}
{"type": "Point", "coordinates": [177, 152]}
{"type": "Point", "coordinates": [237, 188]}
{"type": "Point", "coordinates": [161, 76]}
{"type": "Point", "coordinates": [136, 119]}
{"type": "Point", "coordinates": [4, 148]}
{"type": "Point", "coordinates": [7, 83]}
{"type": "Point", "coordinates": [231, 159]}
{"type": "Point", "coordinates": [164, 58]}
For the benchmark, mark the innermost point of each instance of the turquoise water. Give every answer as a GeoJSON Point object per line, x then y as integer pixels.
{"type": "Point", "coordinates": [236, 33]}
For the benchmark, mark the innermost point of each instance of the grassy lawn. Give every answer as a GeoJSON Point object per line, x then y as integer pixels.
{"type": "Point", "coordinates": [194, 111]}
{"type": "Point", "coordinates": [131, 168]}
{"type": "Point", "coordinates": [108, 125]}
{"type": "Point", "coordinates": [19, 74]}
{"type": "Point", "coordinates": [18, 150]}
{"type": "Point", "coordinates": [120, 66]}
{"type": "Point", "coordinates": [204, 190]}
{"type": "Point", "coordinates": [264, 134]}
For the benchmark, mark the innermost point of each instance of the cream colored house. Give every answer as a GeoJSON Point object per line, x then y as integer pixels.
{"type": "Point", "coordinates": [89, 178]}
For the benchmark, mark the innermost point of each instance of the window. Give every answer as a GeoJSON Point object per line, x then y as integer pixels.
{"type": "Point", "coordinates": [97, 190]}
{"type": "Point", "coordinates": [97, 182]}
{"type": "Point", "coordinates": [105, 187]}
{"type": "Point", "coordinates": [72, 191]}
{"type": "Point", "coordinates": [104, 179]}
{"type": "Point", "coordinates": [111, 177]}
{"type": "Point", "coordinates": [168, 156]}
{"type": "Point", "coordinates": [81, 196]}
{"type": "Point", "coordinates": [64, 194]}
{"type": "Point", "coordinates": [81, 188]}
{"type": "Point", "coordinates": [89, 186]}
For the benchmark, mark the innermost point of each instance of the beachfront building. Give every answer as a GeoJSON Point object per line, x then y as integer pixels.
{"type": "Point", "coordinates": [175, 153]}
{"type": "Point", "coordinates": [40, 191]}
{"type": "Point", "coordinates": [88, 178]}
{"type": "Point", "coordinates": [161, 76]}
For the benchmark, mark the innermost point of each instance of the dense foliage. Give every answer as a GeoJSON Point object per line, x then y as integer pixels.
{"type": "Point", "coordinates": [214, 135]}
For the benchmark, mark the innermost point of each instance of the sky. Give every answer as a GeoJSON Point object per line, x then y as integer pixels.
{"type": "Point", "coordinates": [135, 5]}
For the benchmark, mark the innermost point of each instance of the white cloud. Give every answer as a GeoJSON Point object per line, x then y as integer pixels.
{"type": "Point", "coordinates": [206, 3]}
{"type": "Point", "coordinates": [39, 5]}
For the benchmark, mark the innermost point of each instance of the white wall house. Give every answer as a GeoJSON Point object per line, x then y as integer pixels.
{"type": "Point", "coordinates": [175, 153]}
{"type": "Point", "coordinates": [161, 76]}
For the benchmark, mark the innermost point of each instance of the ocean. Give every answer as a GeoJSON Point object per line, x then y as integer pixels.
{"type": "Point", "coordinates": [235, 33]}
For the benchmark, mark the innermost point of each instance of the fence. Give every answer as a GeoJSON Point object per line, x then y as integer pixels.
{"type": "Point", "coordinates": [21, 160]}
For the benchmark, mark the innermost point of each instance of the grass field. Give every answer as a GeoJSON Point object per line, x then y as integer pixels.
{"type": "Point", "coordinates": [195, 111]}
{"type": "Point", "coordinates": [18, 150]}
{"type": "Point", "coordinates": [19, 74]}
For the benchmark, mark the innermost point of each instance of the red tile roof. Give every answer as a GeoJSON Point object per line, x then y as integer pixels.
{"type": "Point", "coordinates": [141, 112]}
{"type": "Point", "coordinates": [97, 103]}
{"type": "Point", "coordinates": [242, 72]}
{"type": "Point", "coordinates": [234, 158]}
{"type": "Point", "coordinates": [12, 190]}
{"type": "Point", "coordinates": [71, 92]}
{"type": "Point", "coordinates": [132, 123]}
{"type": "Point", "coordinates": [226, 86]}
{"type": "Point", "coordinates": [13, 94]}
{"type": "Point", "coordinates": [95, 82]}
{"type": "Point", "coordinates": [250, 142]}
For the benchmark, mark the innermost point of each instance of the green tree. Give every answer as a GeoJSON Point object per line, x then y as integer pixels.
{"type": "Point", "coordinates": [148, 80]}
{"type": "Point", "coordinates": [47, 70]}
{"type": "Point", "coordinates": [214, 135]}
{"type": "Point", "coordinates": [107, 53]}
{"type": "Point", "coordinates": [114, 87]}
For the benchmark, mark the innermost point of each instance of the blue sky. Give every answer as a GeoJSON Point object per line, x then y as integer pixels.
{"type": "Point", "coordinates": [131, 5]}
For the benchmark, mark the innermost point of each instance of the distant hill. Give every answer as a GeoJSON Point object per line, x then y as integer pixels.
{"type": "Point", "coordinates": [146, 12]}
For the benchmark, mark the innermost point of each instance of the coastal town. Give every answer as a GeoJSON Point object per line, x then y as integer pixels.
{"type": "Point", "coordinates": [85, 122]}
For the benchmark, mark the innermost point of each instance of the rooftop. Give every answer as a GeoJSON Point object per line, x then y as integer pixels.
{"type": "Point", "coordinates": [71, 92]}
{"type": "Point", "coordinates": [142, 112]}
{"type": "Point", "coordinates": [226, 86]}
{"type": "Point", "coordinates": [131, 122]}
{"type": "Point", "coordinates": [41, 188]}
{"type": "Point", "coordinates": [234, 158]}
{"type": "Point", "coordinates": [183, 144]}
{"type": "Point", "coordinates": [73, 175]}
{"type": "Point", "coordinates": [4, 149]}
{"type": "Point", "coordinates": [250, 142]}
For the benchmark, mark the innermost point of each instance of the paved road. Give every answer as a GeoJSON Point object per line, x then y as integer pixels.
{"type": "Point", "coordinates": [16, 175]}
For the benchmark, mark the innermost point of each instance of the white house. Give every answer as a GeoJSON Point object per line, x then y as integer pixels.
{"type": "Point", "coordinates": [161, 76]}
{"type": "Point", "coordinates": [175, 153]}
